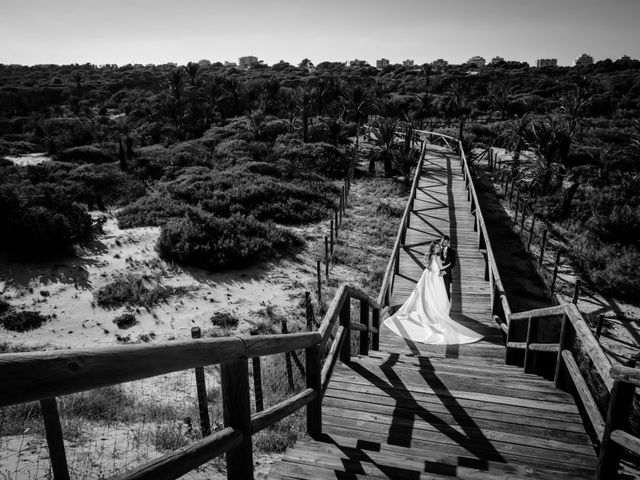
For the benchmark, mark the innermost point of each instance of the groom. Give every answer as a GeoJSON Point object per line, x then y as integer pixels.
{"type": "Point", "coordinates": [448, 257]}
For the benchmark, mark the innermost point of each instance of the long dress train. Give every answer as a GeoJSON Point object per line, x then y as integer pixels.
{"type": "Point", "coordinates": [424, 317]}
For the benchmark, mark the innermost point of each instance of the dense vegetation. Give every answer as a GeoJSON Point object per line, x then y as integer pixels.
{"type": "Point", "coordinates": [222, 159]}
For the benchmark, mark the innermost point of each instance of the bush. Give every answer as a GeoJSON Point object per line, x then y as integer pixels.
{"type": "Point", "coordinates": [613, 269]}
{"type": "Point", "coordinates": [34, 230]}
{"type": "Point", "coordinates": [22, 321]}
{"type": "Point", "coordinates": [153, 210]}
{"type": "Point", "coordinates": [205, 241]}
{"type": "Point", "coordinates": [133, 290]}
{"type": "Point", "coordinates": [126, 320]}
{"type": "Point", "coordinates": [84, 154]}
{"type": "Point", "coordinates": [224, 320]}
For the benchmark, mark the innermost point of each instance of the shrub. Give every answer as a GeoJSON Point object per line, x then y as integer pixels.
{"type": "Point", "coordinates": [40, 231]}
{"type": "Point", "coordinates": [22, 321]}
{"type": "Point", "coordinates": [126, 320]}
{"type": "Point", "coordinates": [224, 320]}
{"type": "Point", "coordinates": [134, 290]}
{"type": "Point", "coordinates": [613, 269]}
{"type": "Point", "coordinates": [84, 154]}
{"type": "Point", "coordinates": [203, 240]}
{"type": "Point", "coordinates": [154, 210]}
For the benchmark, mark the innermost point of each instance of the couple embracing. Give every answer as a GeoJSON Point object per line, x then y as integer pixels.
{"type": "Point", "coordinates": [424, 316]}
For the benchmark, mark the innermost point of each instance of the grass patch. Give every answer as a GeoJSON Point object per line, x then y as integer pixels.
{"type": "Point", "coordinates": [169, 437]}
{"type": "Point", "coordinates": [133, 290]}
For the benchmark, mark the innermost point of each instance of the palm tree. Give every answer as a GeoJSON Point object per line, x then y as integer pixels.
{"type": "Point", "coordinates": [384, 136]}
{"type": "Point", "coordinates": [405, 156]}
{"type": "Point", "coordinates": [550, 140]}
{"type": "Point", "coordinates": [514, 138]}
{"type": "Point", "coordinates": [459, 103]}
{"type": "Point", "coordinates": [304, 99]}
{"type": "Point", "coordinates": [358, 101]}
{"type": "Point", "coordinates": [192, 70]}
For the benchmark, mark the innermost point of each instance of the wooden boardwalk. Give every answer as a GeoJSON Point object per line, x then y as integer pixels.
{"type": "Point", "coordinates": [414, 411]}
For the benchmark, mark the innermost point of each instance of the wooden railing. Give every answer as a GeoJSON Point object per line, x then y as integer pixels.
{"type": "Point", "coordinates": [531, 228]}
{"type": "Point", "coordinates": [43, 376]}
{"type": "Point", "coordinates": [393, 266]}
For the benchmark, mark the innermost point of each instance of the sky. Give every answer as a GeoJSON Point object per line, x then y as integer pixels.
{"type": "Point", "coordinates": [161, 31]}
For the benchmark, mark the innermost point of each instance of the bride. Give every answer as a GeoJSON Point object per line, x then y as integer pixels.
{"type": "Point", "coordinates": [424, 317]}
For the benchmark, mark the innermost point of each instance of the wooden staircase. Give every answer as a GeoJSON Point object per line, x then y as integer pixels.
{"type": "Point", "coordinates": [416, 417]}
{"type": "Point", "coordinates": [416, 411]}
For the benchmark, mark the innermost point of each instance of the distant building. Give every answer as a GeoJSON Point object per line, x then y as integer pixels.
{"type": "Point", "coordinates": [172, 64]}
{"type": "Point", "coordinates": [497, 60]}
{"type": "Point", "coordinates": [439, 64]}
{"type": "Point", "coordinates": [477, 61]}
{"type": "Point", "coordinates": [230, 64]}
{"type": "Point", "coordinates": [547, 62]}
{"type": "Point", "coordinates": [247, 62]}
{"type": "Point", "coordinates": [583, 60]}
{"type": "Point", "coordinates": [407, 63]}
{"type": "Point", "coordinates": [357, 63]}
{"type": "Point", "coordinates": [383, 62]}
{"type": "Point", "coordinates": [204, 63]}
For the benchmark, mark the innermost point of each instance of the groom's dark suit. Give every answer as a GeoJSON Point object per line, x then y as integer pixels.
{"type": "Point", "coordinates": [448, 255]}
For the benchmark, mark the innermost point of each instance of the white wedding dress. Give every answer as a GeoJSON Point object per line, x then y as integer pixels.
{"type": "Point", "coordinates": [424, 317]}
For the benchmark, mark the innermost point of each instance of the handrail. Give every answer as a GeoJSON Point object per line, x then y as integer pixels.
{"type": "Point", "coordinates": [33, 376]}
{"type": "Point", "coordinates": [387, 283]}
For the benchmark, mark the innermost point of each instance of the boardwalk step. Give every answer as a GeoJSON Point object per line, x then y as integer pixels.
{"type": "Point", "coordinates": [336, 456]}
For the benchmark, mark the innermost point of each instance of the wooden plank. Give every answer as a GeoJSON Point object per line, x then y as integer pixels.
{"type": "Point", "coordinates": [589, 403]}
{"type": "Point", "coordinates": [471, 408]}
{"type": "Point", "coordinates": [424, 460]}
{"type": "Point", "coordinates": [626, 440]}
{"type": "Point", "coordinates": [458, 395]}
{"type": "Point", "coordinates": [528, 456]}
{"type": "Point", "coordinates": [470, 420]}
{"type": "Point", "coordinates": [414, 380]}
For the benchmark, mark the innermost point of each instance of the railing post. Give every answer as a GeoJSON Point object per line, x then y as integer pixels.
{"type": "Point", "coordinates": [309, 311]}
{"type": "Point", "coordinates": [234, 378]}
{"type": "Point", "coordinates": [566, 337]}
{"type": "Point", "coordinates": [555, 273]}
{"type": "Point", "coordinates": [53, 430]}
{"type": "Point", "coordinates": [336, 224]}
{"type": "Point", "coordinates": [313, 375]}
{"type": "Point", "coordinates": [515, 218]}
{"type": "Point", "coordinates": [345, 321]}
{"type": "Point", "coordinates": [326, 257]}
{"type": "Point", "coordinates": [287, 360]}
{"type": "Point", "coordinates": [331, 239]}
{"type": "Point", "coordinates": [364, 320]}
{"type": "Point", "coordinates": [576, 292]}
{"type": "Point", "coordinates": [319, 275]}
{"type": "Point", "coordinates": [622, 394]}
{"type": "Point", "coordinates": [201, 386]}
{"type": "Point", "coordinates": [529, 356]}
{"type": "Point", "coordinates": [375, 323]}
{"type": "Point", "coordinates": [544, 244]}
{"type": "Point", "coordinates": [533, 224]}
